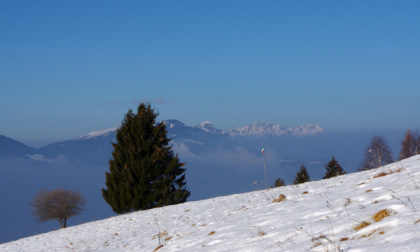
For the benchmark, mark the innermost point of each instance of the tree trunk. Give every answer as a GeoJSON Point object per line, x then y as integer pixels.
{"type": "Point", "coordinates": [63, 223]}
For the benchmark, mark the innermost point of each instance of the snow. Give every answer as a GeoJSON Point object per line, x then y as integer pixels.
{"type": "Point", "coordinates": [97, 134]}
{"type": "Point", "coordinates": [264, 128]}
{"type": "Point", "coordinates": [316, 216]}
{"type": "Point", "coordinates": [208, 127]}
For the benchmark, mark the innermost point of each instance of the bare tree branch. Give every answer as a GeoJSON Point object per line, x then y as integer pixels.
{"type": "Point", "coordinates": [377, 154]}
{"type": "Point", "coordinates": [57, 205]}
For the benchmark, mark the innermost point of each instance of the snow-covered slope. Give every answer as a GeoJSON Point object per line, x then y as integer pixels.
{"type": "Point", "coordinates": [368, 211]}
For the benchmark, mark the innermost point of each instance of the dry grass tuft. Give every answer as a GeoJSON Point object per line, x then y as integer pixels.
{"type": "Point", "coordinates": [382, 174]}
{"type": "Point", "coordinates": [368, 191]}
{"type": "Point", "coordinates": [156, 249]}
{"type": "Point", "coordinates": [344, 239]}
{"type": "Point", "coordinates": [362, 225]}
{"type": "Point", "coordinates": [280, 198]}
{"type": "Point", "coordinates": [417, 221]}
{"type": "Point", "coordinates": [382, 214]}
{"type": "Point", "coordinates": [317, 244]}
{"type": "Point", "coordinates": [305, 192]}
{"type": "Point", "coordinates": [211, 233]}
{"type": "Point", "coordinates": [261, 233]}
{"type": "Point", "coordinates": [371, 233]}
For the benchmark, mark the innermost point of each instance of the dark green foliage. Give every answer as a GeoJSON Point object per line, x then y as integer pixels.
{"type": "Point", "coordinates": [279, 182]}
{"type": "Point", "coordinates": [302, 176]}
{"type": "Point", "coordinates": [144, 172]}
{"type": "Point", "coordinates": [333, 169]}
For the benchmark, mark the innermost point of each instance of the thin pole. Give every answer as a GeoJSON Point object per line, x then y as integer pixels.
{"type": "Point", "coordinates": [265, 169]}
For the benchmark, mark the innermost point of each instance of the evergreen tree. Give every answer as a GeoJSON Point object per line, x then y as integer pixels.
{"type": "Point", "coordinates": [279, 182]}
{"type": "Point", "coordinates": [302, 176]}
{"type": "Point", "coordinates": [333, 169]}
{"type": "Point", "coordinates": [143, 172]}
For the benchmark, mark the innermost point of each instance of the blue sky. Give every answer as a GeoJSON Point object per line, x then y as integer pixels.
{"type": "Point", "coordinates": [71, 67]}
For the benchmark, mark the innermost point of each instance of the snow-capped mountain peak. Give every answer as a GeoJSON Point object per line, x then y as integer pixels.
{"type": "Point", "coordinates": [173, 123]}
{"type": "Point", "coordinates": [97, 134]}
{"type": "Point", "coordinates": [208, 127]}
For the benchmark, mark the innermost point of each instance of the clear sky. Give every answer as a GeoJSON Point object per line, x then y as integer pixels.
{"type": "Point", "coordinates": [71, 67]}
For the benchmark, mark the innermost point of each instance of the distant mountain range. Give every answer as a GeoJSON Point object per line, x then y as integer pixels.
{"type": "Point", "coordinates": [258, 129]}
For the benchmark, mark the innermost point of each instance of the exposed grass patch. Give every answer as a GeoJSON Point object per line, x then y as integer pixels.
{"type": "Point", "coordinates": [305, 192]}
{"type": "Point", "coordinates": [382, 214]}
{"type": "Point", "coordinates": [362, 225]}
{"type": "Point", "coordinates": [211, 233]}
{"type": "Point", "coordinates": [280, 198]}
{"type": "Point", "coordinates": [368, 191]}
{"type": "Point", "coordinates": [382, 174]}
{"type": "Point", "coordinates": [156, 249]}
{"type": "Point", "coordinates": [371, 233]}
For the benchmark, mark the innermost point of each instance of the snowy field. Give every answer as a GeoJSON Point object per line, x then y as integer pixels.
{"type": "Point", "coordinates": [367, 211]}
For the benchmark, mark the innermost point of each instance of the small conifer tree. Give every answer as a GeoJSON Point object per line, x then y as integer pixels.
{"type": "Point", "coordinates": [333, 169]}
{"type": "Point", "coordinates": [144, 172]}
{"type": "Point", "coordinates": [279, 182]}
{"type": "Point", "coordinates": [302, 176]}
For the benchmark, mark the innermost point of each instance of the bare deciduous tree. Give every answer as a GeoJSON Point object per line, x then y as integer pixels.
{"type": "Point", "coordinates": [57, 205]}
{"type": "Point", "coordinates": [410, 145]}
{"type": "Point", "coordinates": [377, 154]}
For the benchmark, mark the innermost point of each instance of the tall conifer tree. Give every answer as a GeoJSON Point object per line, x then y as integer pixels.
{"type": "Point", "coordinates": [333, 169]}
{"type": "Point", "coordinates": [302, 176]}
{"type": "Point", "coordinates": [144, 172]}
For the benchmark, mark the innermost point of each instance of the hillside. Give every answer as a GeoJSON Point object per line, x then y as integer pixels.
{"type": "Point", "coordinates": [373, 210]}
